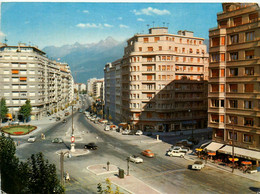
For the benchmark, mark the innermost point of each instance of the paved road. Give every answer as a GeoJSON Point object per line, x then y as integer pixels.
{"type": "Point", "coordinates": [167, 175]}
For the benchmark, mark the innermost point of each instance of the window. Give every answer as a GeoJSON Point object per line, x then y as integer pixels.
{"type": "Point", "coordinates": [180, 40]}
{"type": "Point", "coordinates": [149, 96]}
{"type": "Point", "coordinates": [149, 68]}
{"type": "Point", "coordinates": [149, 115]}
{"type": "Point", "coordinates": [222, 102]}
{"type": "Point", "coordinates": [176, 49]}
{"type": "Point", "coordinates": [249, 87]}
{"type": "Point", "coordinates": [140, 49]}
{"type": "Point", "coordinates": [222, 88]}
{"type": "Point", "coordinates": [150, 48]}
{"type": "Point", "coordinates": [234, 56]}
{"type": "Point", "coordinates": [230, 135]}
{"type": "Point", "coordinates": [223, 24]}
{"type": "Point", "coordinates": [214, 118]}
{"type": "Point", "coordinates": [234, 39]}
{"type": "Point", "coordinates": [156, 39]}
{"type": "Point", "coordinates": [163, 67]}
{"type": "Point", "coordinates": [233, 87]}
{"type": "Point", "coordinates": [249, 54]}
{"type": "Point", "coordinates": [214, 87]}
{"type": "Point", "coordinates": [183, 50]}
{"type": "Point", "coordinates": [145, 40]}
{"type": "Point", "coordinates": [222, 57]}
{"type": "Point", "coordinates": [214, 57]}
{"type": "Point", "coordinates": [223, 40]}
{"type": "Point", "coordinates": [247, 138]}
{"type": "Point", "coordinates": [215, 41]}
{"type": "Point", "coordinates": [250, 36]}
{"type": "Point", "coordinates": [248, 121]}
{"type": "Point", "coordinates": [233, 72]}
{"type": "Point", "coordinates": [248, 104]}
{"type": "Point", "coordinates": [233, 119]}
{"type": "Point", "coordinates": [253, 17]}
{"type": "Point", "coordinates": [219, 133]}
{"type": "Point", "coordinates": [233, 103]}
{"type": "Point", "coordinates": [237, 21]}
{"type": "Point", "coordinates": [214, 103]}
{"type": "Point", "coordinates": [191, 51]}
{"type": "Point", "coordinates": [160, 48]}
{"type": "Point", "coordinates": [149, 59]}
{"type": "Point", "coordinates": [249, 70]}
{"type": "Point", "coordinates": [15, 71]}
{"type": "Point", "coordinates": [215, 73]}
{"type": "Point", "coordinates": [149, 77]}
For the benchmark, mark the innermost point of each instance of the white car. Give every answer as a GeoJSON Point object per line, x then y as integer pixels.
{"type": "Point", "coordinates": [107, 128]}
{"type": "Point", "coordinates": [125, 132]}
{"type": "Point", "coordinates": [139, 132]}
{"type": "Point", "coordinates": [175, 153]}
{"type": "Point", "coordinates": [198, 165]}
{"type": "Point", "coordinates": [31, 139]}
{"type": "Point", "coordinates": [135, 159]}
{"type": "Point", "coordinates": [180, 149]}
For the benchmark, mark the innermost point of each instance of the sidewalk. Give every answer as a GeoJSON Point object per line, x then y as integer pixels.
{"type": "Point", "coordinates": [254, 176]}
{"type": "Point", "coordinates": [128, 183]}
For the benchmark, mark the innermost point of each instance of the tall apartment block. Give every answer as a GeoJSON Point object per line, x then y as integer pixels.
{"type": "Point", "coordinates": [164, 81]}
{"type": "Point", "coordinates": [234, 84]}
{"type": "Point", "coordinates": [26, 73]}
{"type": "Point", "coordinates": [113, 90]}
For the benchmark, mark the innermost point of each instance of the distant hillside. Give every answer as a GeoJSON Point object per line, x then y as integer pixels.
{"type": "Point", "coordinates": [88, 60]}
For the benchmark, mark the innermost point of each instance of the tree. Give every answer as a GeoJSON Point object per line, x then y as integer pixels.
{"type": "Point", "coordinates": [3, 109]}
{"type": "Point", "coordinates": [110, 117]}
{"type": "Point", "coordinates": [26, 110]}
{"type": "Point", "coordinates": [43, 177]}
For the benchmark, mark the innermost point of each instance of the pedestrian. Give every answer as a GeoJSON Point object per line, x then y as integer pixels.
{"type": "Point", "coordinates": [67, 178]}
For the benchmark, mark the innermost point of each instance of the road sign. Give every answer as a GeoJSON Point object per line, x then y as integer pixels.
{"type": "Point", "coordinates": [72, 139]}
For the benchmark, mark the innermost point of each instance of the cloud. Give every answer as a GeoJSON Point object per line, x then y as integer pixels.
{"type": "Point", "coordinates": [108, 25]}
{"type": "Point", "coordinates": [140, 19]}
{"type": "Point", "coordinates": [92, 25]}
{"type": "Point", "coordinates": [2, 34]}
{"type": "Point", "coordinates": [151, 11]}
{"type": "Point", "coordinates": [119, 18]}
{"type": "Point", "coordinates": [123, 26]}
{"type": "Point", "coordinates": [85, 11]}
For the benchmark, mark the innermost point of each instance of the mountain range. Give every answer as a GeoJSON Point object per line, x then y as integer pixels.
{"type": "Point", "coordinates": [88, 60]}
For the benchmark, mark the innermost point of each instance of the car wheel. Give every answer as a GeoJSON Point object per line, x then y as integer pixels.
{"type": "Point", "coordinates": [182, 156]}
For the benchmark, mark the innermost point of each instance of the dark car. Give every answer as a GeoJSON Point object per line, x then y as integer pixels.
{"type": "Point", "coordinates": [58, 119]}
{"type": "Point", "coordinates": [64, 121]}
{"type": "Point", "coordinates": [91, 146]}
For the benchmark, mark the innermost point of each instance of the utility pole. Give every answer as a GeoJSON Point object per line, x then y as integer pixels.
{"type": "Point", "coordinates": [72, 128]}
{"type": "Point", "coordinates": [128, 159]}
{"type": "Point", "coordinates": [233, 134]}
{"type": "Point", "coordinates": [62, 166]}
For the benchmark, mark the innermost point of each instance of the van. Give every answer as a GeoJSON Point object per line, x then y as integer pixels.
{"type": "Point", "coordinates": [107, 128]}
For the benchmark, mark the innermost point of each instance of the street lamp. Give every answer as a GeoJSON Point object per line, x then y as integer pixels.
{"type": "Point", "coordinates": [128, 160]}
{"type": "Point", "coordinates": [62, 165]}
{"type": "Point", "coordinates": [72, 145]}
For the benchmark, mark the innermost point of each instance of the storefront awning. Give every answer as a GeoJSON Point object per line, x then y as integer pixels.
{"type": "Point", "coordinates": [213, 146]}
{"type": "Point", "coordinates": [241, 152]}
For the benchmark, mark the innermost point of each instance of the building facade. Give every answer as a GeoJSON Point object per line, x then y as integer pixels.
{"type": "Point", "coordinates": [26, 73]}
{"type": "Point", "coordinates": [234, 70]}
{"type": "Point", "coordinates": [164, 81]}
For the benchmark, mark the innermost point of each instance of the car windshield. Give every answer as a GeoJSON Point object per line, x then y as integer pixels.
{"type": "Point", "coordinates": [31, 137]}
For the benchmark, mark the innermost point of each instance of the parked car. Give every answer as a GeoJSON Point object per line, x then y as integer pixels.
{"type": "Point", "coordinates": [57, 140]}
{"type": "Point", "coordinates": [175, 153]}
{"type": "Point", "coordinates": [198, 165]}
{"type": "Point", "coordinates": [107, 128]}
{"type": "Point", "coordinates": [180, 148]}
{"type": "Point", "coordinates": [139, 132]}
{"type": "Point", "coordinates": [125, 132]}
{"type": "Point", "coordinates": [67, 113]}
{"type": "Point", "coordinates": [184, 142]}
{"type": "Point", "coordinates": [15, 123]}
{"type": "Point", "coordinates": [135, 159]}
{"type": "Point", "coordinates": [58, 118]}
{"type": "Point", "coordinates": [148, 153]}
{"type": "Point", "coordinates": [113, 127]}
{"type": "Point", "coordinates": [91, 146]}
{"type": "Point", "coordinates": [64, 121]}
{"type": "Point", "coordinates": [194, 140]}
{"type": "Point", "coordinates": [31, 139]}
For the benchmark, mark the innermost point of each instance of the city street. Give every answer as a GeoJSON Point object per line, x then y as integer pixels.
{"type": "Point", "coordinates": [163, 173]}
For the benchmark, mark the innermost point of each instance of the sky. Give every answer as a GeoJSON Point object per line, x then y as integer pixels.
{"type": "Point", "coordinates": [48, 23]}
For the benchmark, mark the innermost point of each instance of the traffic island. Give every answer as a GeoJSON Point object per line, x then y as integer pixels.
{"type": "Point", "coordinates": [99, 169]}
{"type": "Point", "coordinates": [77, 152]}
{"type": "Point", "coordinates": [18, 129]}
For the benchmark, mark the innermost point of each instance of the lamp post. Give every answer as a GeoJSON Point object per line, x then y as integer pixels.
{"type": "Point", "coordinates": [62, 166]}
{"type": "Point", "coordinates": [233, 134]}
{"type": "Point", "coordinates": [128, 160]}
{"type": "Point", "coordinates": [72, 145]}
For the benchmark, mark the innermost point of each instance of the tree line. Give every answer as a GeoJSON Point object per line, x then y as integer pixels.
{"type": "Point", "coordinates": [35, 175]}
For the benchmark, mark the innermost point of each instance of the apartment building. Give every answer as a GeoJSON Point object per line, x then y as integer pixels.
{"type": "Point", "coordinates": [90, 83]}
{"type": "Point", "coordinates": [26, 73]}
{"type": "Point", "coordinates": [113, 90]}
{"type": "Point", "coordinates": [97, 85]}
{"type": "Point", "coordinates": [164, 81]}
{"type": "Point", "coordinates": [234, 86]}
{"type": "Point", "coordinates": [80, 87]}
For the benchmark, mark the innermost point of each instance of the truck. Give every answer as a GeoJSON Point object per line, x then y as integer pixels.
{"type": "Point", "coordinates": [198, 165]}
{"type": "Point", "coordinates": [176, 153]}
